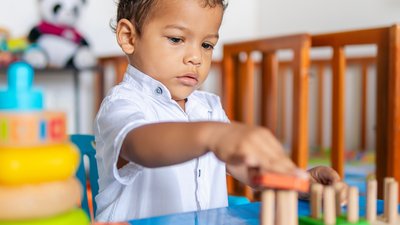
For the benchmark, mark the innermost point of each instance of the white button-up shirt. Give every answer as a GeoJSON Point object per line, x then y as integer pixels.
{"type": "Point", "coordinates": [135, 191]}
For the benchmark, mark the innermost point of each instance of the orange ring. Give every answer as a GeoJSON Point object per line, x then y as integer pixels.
{"type": "Point", "coordinates": [38, 201]}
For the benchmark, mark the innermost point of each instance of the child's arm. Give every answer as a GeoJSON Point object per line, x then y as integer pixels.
{"type": "Point", "coordinates": [163, 144]}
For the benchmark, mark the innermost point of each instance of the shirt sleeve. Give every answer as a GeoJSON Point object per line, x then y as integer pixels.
{"type": "Point", "coordinates": [114, 121]}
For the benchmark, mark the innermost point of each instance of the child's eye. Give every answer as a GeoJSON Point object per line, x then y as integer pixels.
{"type": "Point", "coordinates": [175, 40]}
{"type": "Point", "coordinates": [207, 46]}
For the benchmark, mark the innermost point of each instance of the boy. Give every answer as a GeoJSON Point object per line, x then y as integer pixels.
{"type": "Point", "coordinates": [160, 142]}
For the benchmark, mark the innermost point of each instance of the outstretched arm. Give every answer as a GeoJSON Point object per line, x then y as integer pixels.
{"type": "Point", "coordinates": [164, 144]}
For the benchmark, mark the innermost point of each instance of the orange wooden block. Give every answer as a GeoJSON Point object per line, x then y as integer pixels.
{"type": "Point", "coordinates": [281, 181]}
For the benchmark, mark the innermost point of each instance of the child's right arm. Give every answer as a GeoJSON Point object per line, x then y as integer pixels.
{"type": "Point", "coordinates": [163, 144]}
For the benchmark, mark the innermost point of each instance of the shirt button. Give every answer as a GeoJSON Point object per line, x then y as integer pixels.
{"type": "Point", "coordinates": [159, 90]}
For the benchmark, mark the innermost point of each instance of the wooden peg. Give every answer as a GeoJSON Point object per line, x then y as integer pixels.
{"type": "Point", "coordinates": [393, 194]}
{"type": "Point", "coordinates": [329, 206]}
{"type": "Point", "coordinates": [372, 190]}
{"type": "Point", "coordinates": [316, 200]}
{"type": "Point", "coordinates": [338, 198]}
{"type": "Point", "coordinates": [386, 182]}
{"type": "Point", "coordinates": [268, 207]}
{"type": "Point", "coordinates": [352, 207]}
{"type": "Point", "coordinates": [282, 208]}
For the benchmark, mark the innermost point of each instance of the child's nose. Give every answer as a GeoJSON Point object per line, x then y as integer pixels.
{"type": "Point", "coordinates": [193, 56]}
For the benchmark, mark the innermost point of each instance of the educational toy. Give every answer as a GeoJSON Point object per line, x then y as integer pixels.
{"type": "Point", "coordinates": [72, 217]}
{"type": "Point", "coordinates": [24, 165]}
{"type": "Point", "coordinates": [32, 128]}
{"type": "Point", "coordinates": [281, 181]}
{"type": "Point", "coordinates": [20, 96]}
{"type": "Point", "coordinates": [40, 200]}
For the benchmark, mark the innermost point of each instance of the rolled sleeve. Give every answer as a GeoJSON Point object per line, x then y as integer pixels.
{"type": "Point", "coordinates": [115, 120]}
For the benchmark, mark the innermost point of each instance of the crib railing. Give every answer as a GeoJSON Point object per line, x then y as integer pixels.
{"type": "Point", "coordinates": [387, 42]}
{"type": "Point", "coordinates": [238, 83]}
{"type": "Point", "coordinates": [238, 90]}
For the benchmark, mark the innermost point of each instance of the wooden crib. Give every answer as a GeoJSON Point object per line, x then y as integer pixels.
{"type": "Point", "coordinates": [239, 98]}
{"type": "Point", "coordinates": [239, 89]}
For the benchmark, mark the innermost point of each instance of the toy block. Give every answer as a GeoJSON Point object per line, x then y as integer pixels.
{"type": "Point", "coordinates": [20, 95]}
{"type": "Point", "coordinates": [281, 181]}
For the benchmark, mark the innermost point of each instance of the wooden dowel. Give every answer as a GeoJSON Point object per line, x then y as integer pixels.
{"type": "Point", "coordinates": [393, 194]}
{"type": "Point", "coordinates": [372, 192]}
{"type": "Point", "coordinates": [352, 207]}
{"type": "Point", "coordinates": [386, 182]}
{"type": "Point", "coordinates": [316, 200]}
{"type": "Point", "coordinates": [329, 206]}
{"type": "Point", "coordinates": [268, 207]}
{"type": "Point", "coordinates": [338, 198]}
{"type": "Point", "coordinates": [293, 211]}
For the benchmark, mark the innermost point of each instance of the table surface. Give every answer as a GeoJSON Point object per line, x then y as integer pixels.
{"type": "Point", "coordinates": [240, 214]}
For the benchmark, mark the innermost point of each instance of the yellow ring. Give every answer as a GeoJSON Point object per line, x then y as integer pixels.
{"type": "Point", "coordinates": [72, 217]}
{"type": "Point", "coordinates": [37, 164]}
{"type": "Point", "coordinates": [38, 201]}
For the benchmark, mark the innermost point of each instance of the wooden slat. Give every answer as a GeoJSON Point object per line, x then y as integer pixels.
{"type": "Point", "coordinates": [381, 152]}
{"type": "Point", "coordinates": [364, 107]}
{"type": "Point", "coordinates": [320, 107]}
{"type": "Point", "coordinates": [269, 92]}
{"type": "Point", "coordinates": [393, 151]}
{"type": "Point", "coordinates": [338, 109]}
{"type": "Point", "coordinates": [282, 92]}
{"type": "Point", "coordinates": [301, 65]}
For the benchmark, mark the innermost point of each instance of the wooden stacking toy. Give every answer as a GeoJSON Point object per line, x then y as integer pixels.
{"type": "Point", "coordinates": [279, 202]}
{"type": "Point", "coordinates": [37, 162]}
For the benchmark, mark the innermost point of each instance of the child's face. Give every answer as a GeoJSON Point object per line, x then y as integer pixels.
{"type": "Point", "coordinates": [176, 45]}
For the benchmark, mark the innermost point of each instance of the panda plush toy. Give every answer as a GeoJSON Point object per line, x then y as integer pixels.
{"type": "Point", "coordinates": [55, 41]}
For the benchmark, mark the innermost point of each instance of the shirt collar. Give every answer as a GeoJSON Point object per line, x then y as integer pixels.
{"type": "Point", "coordinates": [147, 84]}
{"type": "Point", "coordinates": [155, 88]}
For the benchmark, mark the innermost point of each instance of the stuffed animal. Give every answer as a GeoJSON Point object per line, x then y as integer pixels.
{"type": "Point", "coordinates": [57, 43]}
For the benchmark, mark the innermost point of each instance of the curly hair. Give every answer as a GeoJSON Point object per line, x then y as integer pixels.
{"type": "Point", "coordinates": [138, 11]}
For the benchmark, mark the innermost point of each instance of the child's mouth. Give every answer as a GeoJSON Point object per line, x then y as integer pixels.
{"type": "Point", "coordinates": [188, 80]}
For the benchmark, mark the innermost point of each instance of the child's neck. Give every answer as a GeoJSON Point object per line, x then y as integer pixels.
{"type": "Point", "coordinates": [182, 103]}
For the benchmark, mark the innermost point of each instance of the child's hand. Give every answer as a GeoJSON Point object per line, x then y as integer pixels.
{"type": "Point", "coordinates": [327, 176]}
{"type": "Point", "coordinates": [241, 145]}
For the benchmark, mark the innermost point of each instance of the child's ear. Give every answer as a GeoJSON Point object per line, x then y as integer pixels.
{"type": "Point", "coordinates": [126, 35]}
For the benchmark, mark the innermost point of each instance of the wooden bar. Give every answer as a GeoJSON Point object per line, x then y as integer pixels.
{"type": "Point", "coordinates": [320, 108]}
{"type": "Point", "coordinates": [364, 107]}
{"type": "Point", "coordinates": [338, 109]}
{"type": "Point", "coordinates": [301, 65]}
{"type": "Point", "coordinates": [269, 92]}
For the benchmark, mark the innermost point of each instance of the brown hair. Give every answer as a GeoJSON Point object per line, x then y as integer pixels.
{"type": "Point", "coordinates": [139, 10]}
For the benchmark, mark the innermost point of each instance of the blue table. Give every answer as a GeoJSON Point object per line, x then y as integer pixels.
{"type": "Point", "coordinates": [241, 214]}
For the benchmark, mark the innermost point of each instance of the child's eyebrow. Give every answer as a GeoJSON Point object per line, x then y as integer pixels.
{"type": "Point", "coordinates": [184, 29]}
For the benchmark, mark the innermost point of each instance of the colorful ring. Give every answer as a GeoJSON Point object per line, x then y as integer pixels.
{"type": "Point", "coordinates": [25, 165]}
{"type": "Point", "coordinates": [32, 128]}
{"type": "Point", "coordinates": [38, 201]}
{"type": "Point", "coordinates": [73, 217]}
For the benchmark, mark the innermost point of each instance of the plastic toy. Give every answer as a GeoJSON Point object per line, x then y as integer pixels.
{"type": "Point", "coordinates": [39, 201]}
{"type": "Point", "coordinates": [20, 95]}
{"type": "Point", "coordinates": [37, 163]}
{"type": "Point", "coordinates": [59, 44]}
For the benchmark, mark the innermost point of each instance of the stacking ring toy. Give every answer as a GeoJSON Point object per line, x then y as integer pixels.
{"type": "Point", "coordinates": [40, 200]}
{"type": "Point", "coordinates": [24, 165]}
{"type": "Point", "coordinates": [32, 128]}
{"type": "Point", "coordinates": [72, 217]}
